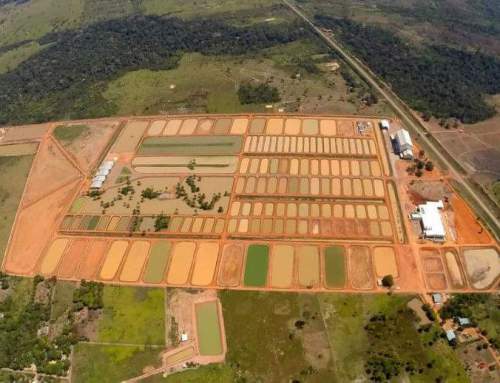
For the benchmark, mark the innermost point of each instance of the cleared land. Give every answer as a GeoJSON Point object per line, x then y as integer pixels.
{"type": "Point", "coordinates": [301, 179]}
{"type": "Point", "coordinates": [13, 172]}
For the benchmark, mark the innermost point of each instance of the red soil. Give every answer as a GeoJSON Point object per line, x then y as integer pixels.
{"type": "Point", "coordinates": [92, 260]}
{"type": "Point", "coordinates": [69, 263]}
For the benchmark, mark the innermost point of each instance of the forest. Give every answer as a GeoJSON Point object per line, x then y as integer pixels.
{"type": "Point", "coordinates": [258, 94]}
{"type": "Point", "coordinates": [435, 80]}
{"type": "Point", "coordinates": [67, 77]}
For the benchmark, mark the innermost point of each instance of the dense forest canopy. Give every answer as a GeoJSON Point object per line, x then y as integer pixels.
{"type": "Point", "coordinates": [63, 76]}
{"type": "Point", "coordinates": [436, 80]}
{"type": "Point", "coordinates": [258, 94]}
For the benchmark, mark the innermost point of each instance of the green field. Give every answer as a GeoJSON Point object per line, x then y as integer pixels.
{"type": "Point", "coordinates": [207, 145]}
{"type": "Point", "coordinates": [13, 174]}
{"type": "Point", "coordinates": [212, 373]}
{"type": "Point", "coordinates": [335, 266]}
{"type": "Point", "coordinates": [133, 315]}
{"type": "Point", "coordinates": [66, 134]}
{"type": "Point", "coordinates": [208, 328]}
{"type": "Point", "coordinates": [257, 264]}
{"type": "Point", "coordinates": [495, 188]}
{"type": "Point", "coordinates": [275, 337]}
{"type": "Point", "coordinates": [63, 298]}
{"type": "Point", "coordinates": [157, 262]}
{"type": "Point", "coordinates": [103, 364]}
{"type": "Point", "coordinates": [346, 317]}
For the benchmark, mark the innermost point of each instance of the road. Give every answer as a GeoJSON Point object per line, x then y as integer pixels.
{"type": "Point", "coordinates": [398, 107]}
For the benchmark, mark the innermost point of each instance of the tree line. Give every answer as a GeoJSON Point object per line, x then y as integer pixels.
{"type": "Point", "coordinates": [436, 80]}
{"type": "Point", "coordinates": [68, 75]}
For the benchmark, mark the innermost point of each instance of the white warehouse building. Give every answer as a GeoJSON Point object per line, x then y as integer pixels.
{"type": "Point", "coordinates": [404, 144]}
{"type": "Point", "coordinates": [430, 218]}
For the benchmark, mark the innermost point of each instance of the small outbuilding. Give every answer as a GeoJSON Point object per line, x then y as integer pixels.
{"type": "Point", "coordinates": [384, 124]}
{"type": "Point", "coordinates": [463, 322]}
{"type": "Point", "coordinates": [450, 335]}
{"type": "Point", "coordinates": [437, 298]}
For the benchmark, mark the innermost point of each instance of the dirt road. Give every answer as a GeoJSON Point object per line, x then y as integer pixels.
{"type": "Point", "coordinates": [400, 109]}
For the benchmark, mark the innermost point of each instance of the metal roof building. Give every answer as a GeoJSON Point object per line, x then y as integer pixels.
{"type": "Point", "coordinates": [384, 124]}
{"type": "Point", "coordinates": [430, 218]}
{"type": "Point", "coordinates": [96, 184]}
{"type": "Point", "coordinates": [404, 144]}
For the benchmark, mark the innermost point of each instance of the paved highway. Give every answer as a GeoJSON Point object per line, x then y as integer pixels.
{"type": "Point", "coordinates": [398, 107]}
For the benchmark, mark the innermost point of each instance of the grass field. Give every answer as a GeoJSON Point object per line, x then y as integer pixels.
{"type": "Point", "coordinates": [270, 347]}
{"type": "Point", "coordinates": [208, 83]}
{"type": "Point", "coordinates": [66, 134]}
{"type": "Point", "coordinates": [63, 298]}
{"type": "Point", "coordinates": [346, 318]}
{"type": "Point", "coordinates": [13, 174]}
{"type": "Point", "coordinates": [335, 266]}
{"type": "Point", "coordinates": [12, 58]}
{"type": "Point", "coordinates": [132, 315]}
{"type": "Point", "coordinates": [209, 145]}
{"type": "Point", "coordinates": [495, 188]}
{"type": "Point", "coordinates": [102, 364]}
{"type": "Point", "coordinates": [208, 328]}
{"type": "Point", "coordinates": [215, 373]}
{"type": "Point", "coordinates": [257, 264]}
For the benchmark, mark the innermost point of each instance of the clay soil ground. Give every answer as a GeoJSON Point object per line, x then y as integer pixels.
{"type": "Point", "coordinates": [231, 265]}
{"type": "Point", "coordinates": [482, 266]}
{"type": "Point", "coordinates": [69, 263]}
{"type": "Point", "coordinates": [469, 230]}
{"type": "Point", "coordinates": [360, 267]}
{"type": "Point", "coordinates": [24, 133]}
{"type": "Point", "coordinates": [23, 255]}
{"type": "Point", "coordinates": [87, 148]}
{"type": "Point", "coordinates": [91, 261]}
{"type": "Point", "coordinates": [453, 267]}
{"type": "Point", "coordinates": [436, 281]}
{"type": "Point", "coordinates": [51, 170]}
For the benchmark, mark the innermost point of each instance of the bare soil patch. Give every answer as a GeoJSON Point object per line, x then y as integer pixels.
{"type": "Point", "coordinates": [482, 266]}
{"type": "Point", "coordinates": [50, 171]}
{"type": "Point", "coordinates": [469, 229]}
{"type": "Point", "coordinates": [385, 262]}
{"type": "Point", "coordinates": [71, 260]}
{"type": "Point", "coordinates": [436, 281]}
{"type": "Point", "coordinates": [361, 268]}
{"type": "Point", "coordinates": [92, 259]}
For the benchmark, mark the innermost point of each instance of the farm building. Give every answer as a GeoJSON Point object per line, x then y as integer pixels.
{"type": "Point", "coordinates": [430, 219]}
{"type": "Point", "coordinates": [403, 144]}
{"type": "Point", "coordinates": [437, 298]}
{"type": "Point", "coordinates": [450, 335]}
{"type": "Point", "coordinates": [101, 174]}
{"type": "Point", "coordinates": [96, 184]}
{"type": "Point", "coordinates": [384, 124]}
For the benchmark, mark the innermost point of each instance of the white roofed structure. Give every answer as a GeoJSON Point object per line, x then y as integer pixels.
{"type": "Point", "coordinates": [430, 218]}
{"type": "Point", "coordinates": [102, 172]}
{"type": "Point", "coordinates": [96, 184]}
{"type": "Point", "coordinates": [107, 165]}
{"type": "Point", "coordinates": [99, 178]}
{"type": "Point", "coordinates": [404, 140]}
{"type": "Point", "coordinates": [384, 124]}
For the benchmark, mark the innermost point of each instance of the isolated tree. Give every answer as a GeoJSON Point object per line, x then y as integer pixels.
{"type": "Point", "coordinates": [429, 166]}
{"type": "Point", "coordinates": [388, 281]}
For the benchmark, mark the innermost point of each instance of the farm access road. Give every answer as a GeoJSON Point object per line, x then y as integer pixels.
{"type": "Point", "coordinates": [402, 110]}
